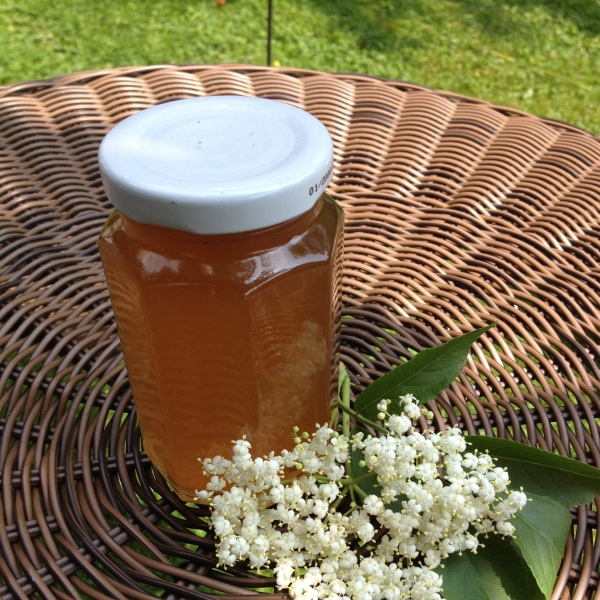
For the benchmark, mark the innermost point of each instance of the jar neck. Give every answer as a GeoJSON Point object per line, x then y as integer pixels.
{"type": "Point", "coordinates": [276, 234]}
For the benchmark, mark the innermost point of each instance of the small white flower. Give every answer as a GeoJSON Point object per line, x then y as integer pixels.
{"type": "Point", "coordinates": [284, 570]}
{"type": "Point", "coordinates": [517, 499]}
{"type": "Point", "coordinates": [399, 424]}
{"type": "Point", "coordinates": [365, 531]}
{"type": "Point", "coordinates": [221, 526]}
{"type": "Point", "coordinates": [412, 410]}
{"type": "Point", "coordinates": [277, 493]}
{"type": "Point", "coordinates": [372, 505]}
{"type": "Point", "coordinates": [505, 528]}
{"type": "Point", "coordinates": [203, 495]}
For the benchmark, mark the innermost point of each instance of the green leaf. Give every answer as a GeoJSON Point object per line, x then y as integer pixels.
{"type": "Point", "coordinates": [496, 572]}
{"type": "Point", "coordinates": [541, 533]}
{"type": "Point", "coordinates": [430, 372]}
{"type": "Point", "coordinates": [564, 480]}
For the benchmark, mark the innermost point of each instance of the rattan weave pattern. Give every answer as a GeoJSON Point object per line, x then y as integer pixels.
{"type": "Point", "coordinates": [459, 214]}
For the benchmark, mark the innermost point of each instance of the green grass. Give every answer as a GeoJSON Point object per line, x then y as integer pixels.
{"type": "Point", "coordinates": [542, 56]}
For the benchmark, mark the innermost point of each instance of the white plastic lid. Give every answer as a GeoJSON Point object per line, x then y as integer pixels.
{"type": "Point", "coordinates": [219, 164]}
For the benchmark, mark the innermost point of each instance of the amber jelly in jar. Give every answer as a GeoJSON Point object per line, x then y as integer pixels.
{"type": "Point", "coordinates": [223, 259]}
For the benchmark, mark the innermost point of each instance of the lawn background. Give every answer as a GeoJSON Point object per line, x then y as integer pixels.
{"type": "Point", "coordinates": [542, 56]}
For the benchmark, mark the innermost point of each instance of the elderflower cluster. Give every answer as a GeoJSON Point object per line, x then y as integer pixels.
{"type": "Point", "coordinates": [433, 500]}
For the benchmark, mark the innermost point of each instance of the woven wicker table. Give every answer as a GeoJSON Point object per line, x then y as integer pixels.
{"type": "Point", "coordinates": [459, 214]}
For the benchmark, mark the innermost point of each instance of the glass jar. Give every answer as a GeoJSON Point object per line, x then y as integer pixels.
{"type": "Point", "coordinates": [223, 266]}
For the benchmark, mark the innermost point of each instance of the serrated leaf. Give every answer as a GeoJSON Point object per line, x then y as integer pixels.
{"type": "Point", "coordinates": [430, 372]}
{"type": "Point", "coordinates": [541, 531]}
{"type": "Point", "coordinates": [564, 480]}
{"type": "Point", "coordinates": [496, 572]}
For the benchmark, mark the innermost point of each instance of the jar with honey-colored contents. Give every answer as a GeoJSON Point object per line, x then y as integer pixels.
{"type": "Point", "coordinates": [223, 264]}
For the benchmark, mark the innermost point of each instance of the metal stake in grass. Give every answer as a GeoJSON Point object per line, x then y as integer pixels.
{"type": "Point", "coordinates": [269, 31]}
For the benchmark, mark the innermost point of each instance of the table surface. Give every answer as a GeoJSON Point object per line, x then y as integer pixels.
{"type": "Point", "coordinates": [458, 214]}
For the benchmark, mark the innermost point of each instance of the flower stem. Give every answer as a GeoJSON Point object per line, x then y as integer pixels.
{"type": "Point", "coordinates": [333, 421]}
{"type": "Point", "coordinates": [348, 412]}
{"type": "Point", "coordinates": [334, 506]}
{"type": "Point", "coordinates": [344, 403]}
{"type": "Point", "coordinates": [352, 498]}
{"type": "Point", "coordinates": [344, 399]}
{"type": "Point", "coordinates": [357, 479]}
{"type": "Point", "coordinates": [360, 492]}
{"type": "Point", "coordinates": [319, 478]}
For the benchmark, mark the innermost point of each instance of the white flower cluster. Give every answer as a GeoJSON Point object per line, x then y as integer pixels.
{"type": "Point", "coordinates": [434, 501]}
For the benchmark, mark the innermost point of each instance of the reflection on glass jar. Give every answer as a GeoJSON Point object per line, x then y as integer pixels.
{"type": "Point", "coordinates": [225, 335]}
